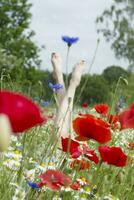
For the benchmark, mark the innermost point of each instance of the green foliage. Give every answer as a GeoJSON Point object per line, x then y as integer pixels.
{"type": "Point", "coordinates": [113, 73]}
{"type": "Point", "coordinates": [38, 80]}
{"type": "Point", "coordinates": [129, 90]}
{"type": "Point", "coordinates": [19, 55]}
{"type": "Point", "coordinates": [17, 49]}
{"type": "Point", "coordinates": [34, 84]}
{"type": "Point", "coordinates": [116, 25]}
{"type": "Point", "coordinates": [95, 91]}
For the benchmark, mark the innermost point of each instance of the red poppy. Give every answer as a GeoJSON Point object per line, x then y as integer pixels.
{"type": "Point", "coordinates": [40, 185]}
{"type": "Point", "coordinates": [113, 120]}
{"type": "Point", "coordinates": [54, 179]}
{"type": "Point", "coordinates": [76, 185]}
{"type": "Point", "coordinates": [102, 109]}
{"type": "Point", "coordinates": [126, 118]}
{"type": "Point", "coordinates": [22, 112]}
{"type": "Point", "coordinates": [113, 156]}
{"type": "Point", "coordinates": [88, 127]}
{"type": "Point", "coordinates": [71, 146]}
{"type": "Point", "coordinates": [90, 154]}
{"type": "Point", "coordinates": [84, 105]}
{"type": "Point", "coordinates": [80, 164]}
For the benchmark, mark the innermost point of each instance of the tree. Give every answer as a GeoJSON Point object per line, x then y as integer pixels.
{"type": "Point", "coordinates": [128, 90]}
{"type": "Point", "coordinates": [36, 83]}
{"type": "Point", "coordinates": [95, 91]}
{"type": "Point", "coordinates": [113, 73]}
{"type": "Point", "coordinates": [16, 43]}
{"type": "Point", "coordinates": [116, 24]}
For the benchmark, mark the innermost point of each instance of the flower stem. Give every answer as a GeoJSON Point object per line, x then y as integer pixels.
{"type": "Point", "coordinates": [67, 58]}
{"type": "Point", "coordinates": [89, 69]}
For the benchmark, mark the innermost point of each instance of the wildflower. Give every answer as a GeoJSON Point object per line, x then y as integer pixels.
{"type": "Point", "coordinates": [33, 185]}
{"type": "Point", "coordinates": [80, 164]}
{"type": "Point", "coordinates": [30, 174]}
{"type": "Point", "coordinates": [90, 154]}
{"type": "Point", "coordinates": [88, 127]}
{"type": "Point", "coordinates": [71, 146]}
{"type": "Point", "coordinates": [102, 109]}
{"type": "Point", "coordinates": [113, 121]}
{"type": "Point", "coordinates": [84, 105]}
{"type": "Point", "coordinates": [70, 40]}
{"type": "Point", "coordinates": [12, 164]}
{"type": "Point", "coordinates": [21, 111]}
{"type": "Point", "coordinates": [84, 181]}
{"type": "Point", "coordinates": [126, 118]}
{"type": "Point", "coordinates": [76, 185]}
{"type": "Point", "coordinates": [54, 179]}
{"type": "Point", "coordinates": [55, 87]}
{"type": "Point", "coordinates": [113, 156]}
{"type": "Point", "coordinates": [20, 147]}
{"type": "Point", "coordinates": [45, 103]}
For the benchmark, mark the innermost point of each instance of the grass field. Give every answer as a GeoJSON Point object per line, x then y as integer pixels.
{"type": "Point", "coordinates": [37, 150]}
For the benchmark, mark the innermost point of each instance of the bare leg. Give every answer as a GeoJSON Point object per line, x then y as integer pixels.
{"type": "Point", "coordinates": [57, 73]}
{"type": "Point", "coordinates": [63, 118]}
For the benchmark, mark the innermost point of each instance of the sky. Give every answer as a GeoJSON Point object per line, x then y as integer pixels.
{"type": "Point", "coordinates": [51, 19]}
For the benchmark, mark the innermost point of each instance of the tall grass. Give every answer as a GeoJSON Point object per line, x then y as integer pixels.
{"type": "Point", "coordinates": [37, 150]}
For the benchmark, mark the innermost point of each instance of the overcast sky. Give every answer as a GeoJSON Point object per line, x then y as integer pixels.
{"type": "Point", "coordinates": [55, 18]}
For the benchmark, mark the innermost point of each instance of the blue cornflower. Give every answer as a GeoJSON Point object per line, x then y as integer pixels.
{"type": "Point", "coordinates": [55, 87]}
{"type": "Point", "coordinates": [45, 103]}
{"type": "Point", "coordinates": [20, 147]}
{"type": "Point", "coordinates": [70, 40]}
{"type": "Point", "coordinates": [33, 185]}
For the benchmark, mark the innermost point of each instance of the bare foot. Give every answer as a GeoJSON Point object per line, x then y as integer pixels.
{"type": "Point", "coordinates": [57, 73]}
{"type": "Point", "coordinates": [56, 62]}
{"type": "Point", "coordinates": [77, 73]}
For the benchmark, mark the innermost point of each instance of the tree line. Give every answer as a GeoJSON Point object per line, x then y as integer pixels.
{"type": "Point", "coordinates": [92, 89]}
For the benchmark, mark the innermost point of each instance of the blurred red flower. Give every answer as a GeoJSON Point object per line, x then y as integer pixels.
{"type": "Point", "coordinates": [80, 164]}
{"type": "Point", "coordinates": [113, 121]}
{"type": "Point", "coordinates": [84, 105]}
{"type": "Point", "coordinates": [113, 156]}
{"type": "Point", "coordinates": [71, 146]}
{"type": "Point", "coordinates": [102, 109]}
{"type": "Point", "coordinates": [90, 154]}
{"type": "Point", "coordinates": [54, 179]}
{"type": "Point", "coordinates": [22, 112]}
{"type": "Point", "coordinates": [88, 127]}
{"type": "Point", "coordinates": [76, 185]}
{"type": "Point", "coordinates": [126, 118]}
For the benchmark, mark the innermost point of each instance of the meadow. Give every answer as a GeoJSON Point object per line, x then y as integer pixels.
{"type": "Point", "coordinates": [37, 166]}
